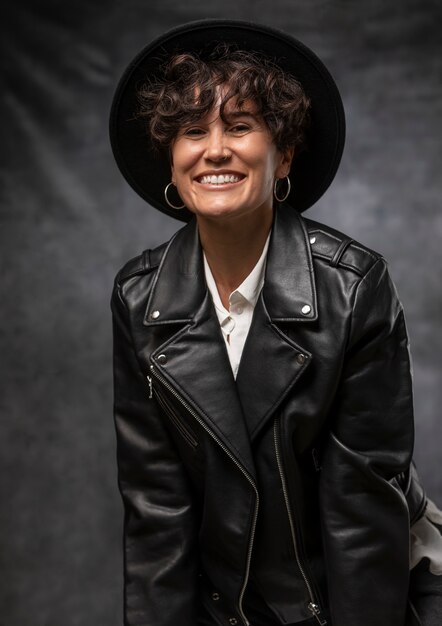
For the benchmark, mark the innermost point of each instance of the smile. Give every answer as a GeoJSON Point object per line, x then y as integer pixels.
{"type": "Point", "coordinates": [220, 179]}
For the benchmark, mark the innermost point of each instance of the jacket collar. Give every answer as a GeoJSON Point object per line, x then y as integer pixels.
{"type": "Point", "coordinates": [289, 290]}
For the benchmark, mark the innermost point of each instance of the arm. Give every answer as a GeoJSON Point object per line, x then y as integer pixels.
{"type": "Point", "coordinates": [159, 527]}
{"type": "Point", "coordinates": [365, 517]}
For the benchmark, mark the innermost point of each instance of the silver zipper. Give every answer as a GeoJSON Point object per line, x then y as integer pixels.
{"type": "Point", "coordinates": [183, 428]}
{"type": "Point", "coordinates": [149, 380]}
{"type": "Point", "coordinates": [312, 606]}
{"type": "Point", "coordinates": [240, 467]}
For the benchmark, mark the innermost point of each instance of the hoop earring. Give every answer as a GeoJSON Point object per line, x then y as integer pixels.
{"type": "Point", "coordinates": [275, 189]}
{"type": "Point", "coordinates": [173, 206]}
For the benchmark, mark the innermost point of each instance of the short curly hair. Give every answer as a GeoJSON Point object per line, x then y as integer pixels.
{"type": "Point", "coordinates": [170, 102]}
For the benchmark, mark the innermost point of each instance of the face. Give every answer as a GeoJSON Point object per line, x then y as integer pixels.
{"type": "Point", "coordinates": [226, 169]}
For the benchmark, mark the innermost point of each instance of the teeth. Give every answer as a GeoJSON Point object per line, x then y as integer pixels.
{"type": "Point", "coordinates": [219, 180]}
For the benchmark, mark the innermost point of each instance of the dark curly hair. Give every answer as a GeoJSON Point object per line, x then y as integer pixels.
{"type": "Point", "coordinates": [187, 91]}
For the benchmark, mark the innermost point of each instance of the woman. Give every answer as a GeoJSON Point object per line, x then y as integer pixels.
{"type": "Point", "coordinates": [263, 397]}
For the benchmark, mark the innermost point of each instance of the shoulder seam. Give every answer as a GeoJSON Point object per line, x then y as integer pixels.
{"type": "Point", "coordinates": [352, 242]}
{"type": "Point", "coordinates": [338, 252]}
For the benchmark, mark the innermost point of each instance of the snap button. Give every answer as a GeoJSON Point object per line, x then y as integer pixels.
{"type": "Point", "coordinates": [233, 621]}
{"type": "Point", "coordinates": [312, 239]}
{"type": "Point", "coordinates": [215, 595]}
{"type": "Point", "coordinates": [162, 358]}
{"type": "Point", "coordinates": [301, 358]}
{"type": "Point", "coordinates": [154, 315]}
{"type": "Point", "coordinates": [306, 309]}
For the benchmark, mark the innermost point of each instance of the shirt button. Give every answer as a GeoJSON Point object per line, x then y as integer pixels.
{"type": "Point", "coordinates": [228, 325]}
{"type": "Point", "coordinates": [239, 310]}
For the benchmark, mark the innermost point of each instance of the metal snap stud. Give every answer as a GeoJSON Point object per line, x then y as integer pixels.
{"type": "Point", "coordinates": [162, 359]}
{"type": "Point", "coordinates": [306, 309]}
{"type": "Point", "coordinates": [312, 239]}
{"type": "Point", "coordinates": [215, 595]}
{"type": "Point", "coordinates": [301, 358]}
{"type": "Point", "coordinates": [154, 315]}
{"type": "Point", "coordinates": [233, 621]}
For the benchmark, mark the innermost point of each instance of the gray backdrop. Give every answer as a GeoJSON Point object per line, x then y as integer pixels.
{"type": "Point", "coordinates": [68, 222]}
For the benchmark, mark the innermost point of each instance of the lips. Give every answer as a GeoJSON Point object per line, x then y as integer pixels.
{"type": "Point", "coordinates": [219, 179]}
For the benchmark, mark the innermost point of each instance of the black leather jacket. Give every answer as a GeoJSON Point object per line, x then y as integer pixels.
{"type": "Point", "coordinates": [327, 360]}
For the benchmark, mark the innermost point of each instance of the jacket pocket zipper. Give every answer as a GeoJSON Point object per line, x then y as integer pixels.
{"type": "Point", "coordinates": [313, 605]}
{"type": "Point", "coordinates": [176, 419]}
{"type": "Point", "coordinates": [240, 467]}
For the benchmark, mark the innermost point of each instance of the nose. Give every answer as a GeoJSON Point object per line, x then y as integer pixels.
{"type": "Point", "coordinates": [217, 149]}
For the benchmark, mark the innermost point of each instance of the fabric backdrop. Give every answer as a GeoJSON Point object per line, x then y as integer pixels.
{"type": "Point", "coordinates": [68, 222]}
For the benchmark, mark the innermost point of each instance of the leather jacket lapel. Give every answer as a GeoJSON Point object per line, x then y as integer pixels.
{"type": "Point", "coordinates": [198, 368]}
{"type": "Point", "coordinates": [270, 365]}
{"type": "Point", "coordinates": [194, 358]}
{"type": "Point", "coordinates": [272, 362]}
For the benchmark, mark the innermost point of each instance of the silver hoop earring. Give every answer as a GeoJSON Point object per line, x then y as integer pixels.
{"type": "Point", "coordinates": [275, 189]}
{"type": "Point", "coordinates": [173, 206]}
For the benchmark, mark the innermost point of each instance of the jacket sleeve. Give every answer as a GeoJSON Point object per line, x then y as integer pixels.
{"type": "Point", "coordinates": [365, 518]}
{"type": "Point", "coordinates": [159, 526]}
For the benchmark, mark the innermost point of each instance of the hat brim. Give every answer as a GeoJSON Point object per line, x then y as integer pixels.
{"type": "Point", "coordinates": [148, 171]}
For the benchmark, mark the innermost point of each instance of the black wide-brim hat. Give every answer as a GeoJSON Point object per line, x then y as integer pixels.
{"type": "Point", "coordinates": [148, 171]}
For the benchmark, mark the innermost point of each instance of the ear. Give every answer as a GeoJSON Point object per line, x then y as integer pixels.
{"type": "Point", "coordinates": [285, 163]}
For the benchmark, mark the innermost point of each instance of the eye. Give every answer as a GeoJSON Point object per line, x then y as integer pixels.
{"type": "Point", "coordinates": [239, 128]}
{"type": "Point", "coordinates": [193, 131]}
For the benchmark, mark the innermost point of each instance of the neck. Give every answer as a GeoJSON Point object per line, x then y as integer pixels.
{"type": "Point", "coordinates": [232, 249]}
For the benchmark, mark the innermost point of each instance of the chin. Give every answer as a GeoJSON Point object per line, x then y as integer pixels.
{"type": "Point", "coordinates": [217, 211]}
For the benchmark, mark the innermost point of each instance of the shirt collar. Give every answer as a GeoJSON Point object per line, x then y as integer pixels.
{"type": "Point", "coordinates": [248, 290]}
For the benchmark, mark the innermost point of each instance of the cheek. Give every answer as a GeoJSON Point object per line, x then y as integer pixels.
{"type": "Point", "coordinates": [263, 157]}
{"type": "Point", "coordinates": [183, 159]}
{"type": "Point", "coordinates": [267, 170]}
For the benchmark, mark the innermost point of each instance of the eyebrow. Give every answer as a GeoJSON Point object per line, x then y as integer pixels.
{"type": "Point", "coordinates": [240, 113]}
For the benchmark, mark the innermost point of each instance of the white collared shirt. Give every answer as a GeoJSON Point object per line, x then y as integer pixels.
{"type": "Point", "coordinates": [235, 322]}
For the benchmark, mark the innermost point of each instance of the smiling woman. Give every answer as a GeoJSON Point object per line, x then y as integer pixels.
{"type": "Point", "coordinates": [263, 393]}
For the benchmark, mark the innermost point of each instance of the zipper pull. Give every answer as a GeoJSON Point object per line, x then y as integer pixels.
{"type": "Point", "coordinates": [314, 608]}
{"type": "Point", "coordinates": [149, 380]}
